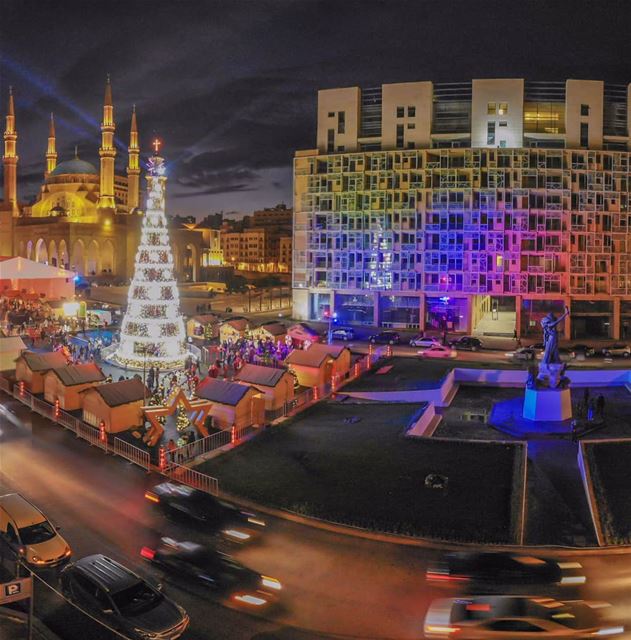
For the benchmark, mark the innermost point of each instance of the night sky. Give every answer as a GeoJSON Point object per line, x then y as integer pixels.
{"type": "Point", "coordinates": [231, 86]}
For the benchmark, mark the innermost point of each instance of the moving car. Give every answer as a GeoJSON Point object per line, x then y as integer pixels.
{"type": "Point", "coordinates": [217, 516]}
{"type": "Point", "coordinates": [385, 337]}
{"type": "Point", "coordinates": [28, 532]}
{"type": "Point", "coordinates": [216, 570]}
{"type": "Point", "coordinates": [523, 353]}
{"type": "Point", "coordinates": [489, 569]}
{"type": "Point", "coordinates": [490, 617]}
{"type": "Point", "coordinates": [438, 351]}
{"type": "Point", "coordinates": [617, 350]}
{"type": "Point", "coordinates": [467, 343]}
{"type": "Point", "coordinates": [122, 599]}
{"type": "Point", "coordinates": [423, 341]}
{"type": "Point", "coordinates": [343, 333]}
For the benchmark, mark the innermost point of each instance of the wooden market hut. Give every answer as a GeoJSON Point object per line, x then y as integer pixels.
{"type": "Point", "coordinates": [204, 326]}
{"type": "Point", "coordinates": [11, 349]}
{"type": "Point", "coordinates": [301, 333]}
{"type": "Point", "coordinates": [277, 385]}
{"type": "Point", "coordinates": [116, 405]}
{"type": "Point", "coordinates": [234, 404]}
{"type": "Point", "coordinates": [275, 331]}
{"type": "Point", "coordinates": [30, 368]}
{"type": "Point", "coordinates": [66, 384]}
{"type": "Point", "coordinates": [318, 364]}
{"type": "Point", "coordinates": [233, 329]}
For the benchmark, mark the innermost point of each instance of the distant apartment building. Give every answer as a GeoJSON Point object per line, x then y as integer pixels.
{"type": "Point", "coordinates": [473, 207]}
{"type": "Point", "coordinates": [278, 216]}
{"type": "Point", "coordinates": [285, 244]}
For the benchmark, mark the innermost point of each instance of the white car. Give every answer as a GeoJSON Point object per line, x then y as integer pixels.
{"type": "Point", "coordinates": [438, 351]}
{"type": "Point", "coordinates": [510, 617]}
{"type": "Point", "coordinates": [423, 341]}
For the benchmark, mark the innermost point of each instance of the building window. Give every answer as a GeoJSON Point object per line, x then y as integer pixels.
{"type": "Point", "coordinates": [341, 122]}
{"type": "Point", "coordinates": [503, 123]}
{"type": "Point", "coordinates": [490, 133]}
{"type": "Point", "coordinates": [584, 134]}
{"type": "Point", "coordinates": [411, 125]}
{"type": "Point", "coordinates": [503, 144]}
{"type": "Point", "coordinates": [491, 108]}
{"type": "Point", "coordinates": [503, 110]}
{"type": "Point", "coordinates": [399, 136]}
{"type": "Point", "coordinates": [584, 109]}
{"type": "Point", "coordinates": [340, 148]}
{"type": "Point", "coordinates": [330, 141]}
{"type": "Point", "coordinates": [331, 114]}
{"type": "Point", "coordinates": [400, 112]}
{"type": "Point", "coordinates": [411, 112]}
{"type": "Point", "coordinates": [410, 145]}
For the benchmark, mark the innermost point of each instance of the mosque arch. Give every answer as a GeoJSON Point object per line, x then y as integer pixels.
{"type": "Point", "coordinates": [93, 266]}
{"type": "Point", "coordinates": [52, 254]}
{"type": "Point", "coordinates": [108, 262]}
{"type": "Point", "coordinates": [29, 250]}
{"type": "Point", "coordinates": [77, 262]}
{"type": "Point", "coordinates": [41, 251]}
{"type": "Point", "coordinates": [190, 262]}
{"type": "Point", "coordinates": [62, 253]}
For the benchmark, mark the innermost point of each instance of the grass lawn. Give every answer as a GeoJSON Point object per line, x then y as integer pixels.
{"type": "Point", "coordinates": [367, 474]}
{"type": "Point", "coordinates": [610, 466]}
{"type": "Point", "coordinates": [413, 373]}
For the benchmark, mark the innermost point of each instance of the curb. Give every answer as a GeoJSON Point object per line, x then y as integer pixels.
{"type": "Point", "coordinates": [426, 543]}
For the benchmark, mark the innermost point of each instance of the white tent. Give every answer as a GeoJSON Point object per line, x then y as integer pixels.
{"type": "Point", "coordinates": [34, 277]}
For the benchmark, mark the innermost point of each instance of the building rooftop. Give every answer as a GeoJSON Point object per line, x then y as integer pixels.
{"type": "Point", "coordinates": [221, 391]}
{"type": "Point", "coordinates": [259, 375]}
{"type": "Point", "coordinates": [115, 394]}
{"type": "Point", "coordinates": [315, 355]}
{"type": "Point", "coordinates": [275, 328]}
{"type": "Point", "coordinates": [74, 374]}
{"type": "Point", "coordinates": [44, 361]}
{"type": "Point", "coordinates": [73, 167]}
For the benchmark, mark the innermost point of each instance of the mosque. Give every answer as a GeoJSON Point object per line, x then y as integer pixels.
{"type": "Point", "coordinates": [83, 218]}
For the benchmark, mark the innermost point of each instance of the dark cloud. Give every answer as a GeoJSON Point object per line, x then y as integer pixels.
{"type": "Point", "coordinates": [231, 85]}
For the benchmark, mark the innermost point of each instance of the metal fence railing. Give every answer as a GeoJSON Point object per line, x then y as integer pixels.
{"type": "Point", "coordinates": [200, 447]}
{"type": "Point", "coordinates": [68, 422]}
{"type": "Point", "coordinates": [91, 435]}
{"type": "Point", "coordinates": [5, 384]}
{"type": "Point", "coordinates": [193, 478]}
{"type": "Point", "coordinates": [130, 452]}
{"type": "Point", "coordinates": [43, 408]}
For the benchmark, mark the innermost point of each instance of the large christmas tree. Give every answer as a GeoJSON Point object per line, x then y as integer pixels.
{"type": "Point", "coordinates": [152, 334]}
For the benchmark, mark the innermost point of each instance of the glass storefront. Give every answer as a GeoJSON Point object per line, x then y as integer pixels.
{"type": "Point", "coordinates": [399, 312]}
{"type": "Point", "coordinates": [320, 306]}
{"type": "Point", "coordinates": [532, 311]}
{"type": "Point", "coordinates": [592, 319]}
{"type": "Point", "coordinates": [446, 313]}
{"type": "Point", "coordinates": [355, 309]}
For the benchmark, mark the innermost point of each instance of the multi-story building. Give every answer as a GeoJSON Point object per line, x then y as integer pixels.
{"type": "Point", "coordinates": [475, 207]}
{"type": "Point", "coordinates": [278, 216]}
{"type": "Point", "coordinates": [285, 244]}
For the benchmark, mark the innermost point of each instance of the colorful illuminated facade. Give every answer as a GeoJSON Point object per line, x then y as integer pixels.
{"type": "Point", "coordinates": [473, 207]}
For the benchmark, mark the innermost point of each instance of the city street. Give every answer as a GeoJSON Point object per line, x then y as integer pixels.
{"type": "Point", "coordinates": [333, 584]}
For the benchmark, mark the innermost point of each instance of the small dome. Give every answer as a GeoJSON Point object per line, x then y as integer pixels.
{"type": "Point", "coordinates": [74, 166]}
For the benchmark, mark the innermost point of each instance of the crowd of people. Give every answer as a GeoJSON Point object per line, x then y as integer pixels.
{"type": "Point", "coordinates": [229, 357]}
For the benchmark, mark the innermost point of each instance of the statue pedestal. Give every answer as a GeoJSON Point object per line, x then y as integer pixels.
{"type": "Point", "coordinates": [548, 405]}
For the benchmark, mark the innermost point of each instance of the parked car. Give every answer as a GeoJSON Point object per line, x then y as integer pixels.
{"type": "Point", "coordinates": [565, 354]}
{"type": "Point", "coordinates": [617, 350]}
{"type": "Point", "coordinates": [343, 333]}
{"type": "Point", "coordinates": [584, 349]}
{"type": "Point", "coordinates": [29, 533]}
{"type": "Point", "coordinates": [523, 353]}
{"type": "Point", "coordinates": [122, 599]}
{"type": "Point", "coordinates": [423, 341]}
{"type": "Point", "coordinates": [438, 351]}
{"type": "Point", "coordinates": [228, 578]}
{"type": "Point", "coordinates": [217, 516]}
{"type": "Point", "coordinates": [490, 570]}
{"type": "Point", "coordinates": [510, 617]}
{"type": "Point", "coordinates": [467, 343]}
{"type": "Point", "coordinates": [385, 337]}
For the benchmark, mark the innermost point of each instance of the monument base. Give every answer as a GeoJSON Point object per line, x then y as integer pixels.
{"type": "Point", "coordinates": [548, 405]}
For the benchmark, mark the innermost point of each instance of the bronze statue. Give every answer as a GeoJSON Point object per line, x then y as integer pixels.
{"type": "Point", "coordinates": [551, 337]}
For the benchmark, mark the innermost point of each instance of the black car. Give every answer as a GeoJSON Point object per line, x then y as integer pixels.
{"type": "Point", "coordinates": [466, 343]}
{"type": "Point", "coordinates": [121, 599]}
{"type": "Point", "coordinates": [216, 570]}
{"type": "Point", "coordinates": [493, 570]}
{"type": "Point", "coordinates": [584, 349]}
{"type": "Point", "coordinates": [216, 515]}
{"type": "Point", "coordinates": [385, 337]}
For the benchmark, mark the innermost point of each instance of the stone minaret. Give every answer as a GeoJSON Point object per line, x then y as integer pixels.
{"type": "Point", "coordinates": [107, 151]}
{"type": "Point", "coordinates": [133, 166]}
{"type": "Point", "coordinates": [10, 160]}
{"type": "Point", "coordinates": [51, 151]}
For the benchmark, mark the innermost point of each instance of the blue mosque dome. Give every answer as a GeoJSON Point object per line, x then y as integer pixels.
{"type": "Point", "coordinates": [74, 166]}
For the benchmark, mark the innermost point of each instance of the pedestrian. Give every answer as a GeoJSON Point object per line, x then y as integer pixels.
{"type": "Point", "coordinates": [574, 427]}
{"type": "Point", "coordinates": [586, 396]}
{"type": "Point", "coordinates": [600, 405]}
{"type": "Point", "coordinates": [515, 334]}
{"type": "Point", "coordinates": [171, 447]}
{"type": "Point", "coordinates": [590, 409]}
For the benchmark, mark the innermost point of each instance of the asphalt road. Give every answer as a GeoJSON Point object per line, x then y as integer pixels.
{"type": "Point", "coordinates": [333, 584]}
